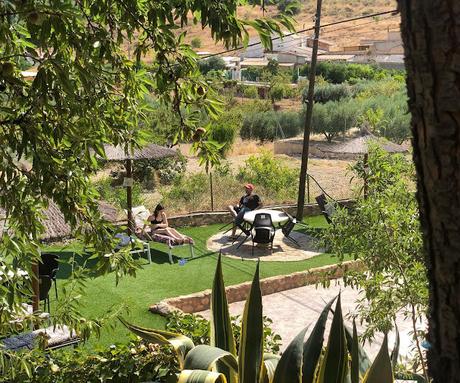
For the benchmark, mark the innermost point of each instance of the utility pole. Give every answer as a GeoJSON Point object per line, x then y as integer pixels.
{"type": "Point", "coordinates": [308, 115]}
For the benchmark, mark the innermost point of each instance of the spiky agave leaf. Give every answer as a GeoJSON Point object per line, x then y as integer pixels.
{"type": "Point", "coordinates": [289, 369]}
{"type": "Point", "coordinates": [200, 376]}
{"type": "Point", "coordinates": [204, 357]}
{"type": "Point", "coordinates": [269, 367]}
{"type": "Point", "coordinates": [334, 365]}
{"type": "Point", "coordinates": [314, 344]}
{"type": "Point", "coordinates": [180, 343]}
{"type": "Point", "coordinates": [380, 371]}
{"type": "Point", "coordinates": [251, 342]}
{"type": "Point", "coordinates": [221, 325]}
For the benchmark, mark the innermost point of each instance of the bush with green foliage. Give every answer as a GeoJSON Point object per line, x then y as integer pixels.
{"type": "Point", "coordinates": [195, 42]}
{"type": "Point", "coordinates": [267, 171]}
{"type": "Point", "coordinates": [251, 73]}
{"type": "Point", "coordinates": [386, 115]}
{"type": "Point", "coordinates": [330, 92]}
{"type": "Point", "coordinates": [226, 129]}
{"type": "Point", "coordinates": [213, 63]}
{"type": "Point", "coordinates": [342, 360]}
{"type": "Point", "coordinates": [133, 362]}
{"type": "Point", "coordinates": [334, 117]}
{"type": "Point", "coordinates": [383, 232]}
{"type": "Point", "coordinates": [250, 91]}
{"type": "Point", "coordinates": [197, 329]}
{"type": "Point", "coordinates": [166, 169]}
{"type": "Point", "coordinates": [116, 195]}
{"type": "Point", "coordinates": [338, 73]}
{"type": "Point", "coordinates": [191, 189]}
{"type": "Point", "coordinates": [269, 125]}
{"type": "Point", "coordinates": [289, 7]}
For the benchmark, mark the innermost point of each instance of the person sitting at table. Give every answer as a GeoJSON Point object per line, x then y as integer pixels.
{"type": "Point", "coordinates": [159, 225]}
{"type": "Point", "coordinates": [248, 202]}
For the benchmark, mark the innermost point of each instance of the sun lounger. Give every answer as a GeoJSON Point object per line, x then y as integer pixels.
{"type": "Point", "coordinates": [57, 337]}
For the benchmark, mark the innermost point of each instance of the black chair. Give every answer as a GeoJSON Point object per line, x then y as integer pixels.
{"type": "Point", "coordinates": [322, 202]}
{"type": "Point", "coordinates": [45, 287]}
{"type": "Point", "coordinates": [263, 230]}
{"type": "Point", "coordinates": [49, 267]}
{"type": "Point", "coordinates": [287, 228]}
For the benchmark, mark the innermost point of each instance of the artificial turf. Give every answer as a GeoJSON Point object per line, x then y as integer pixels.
{"type": "Point", "coordinates": [160, 280]}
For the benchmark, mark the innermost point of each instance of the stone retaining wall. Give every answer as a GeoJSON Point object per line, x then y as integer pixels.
{"type": "Point", "coordinates": [208, 218]}
{"type": "Point", "coordinates": [201, 301]}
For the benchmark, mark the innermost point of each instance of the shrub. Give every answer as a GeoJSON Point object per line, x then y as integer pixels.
{"type": "Point", "coordinates": [290, 123]}
{"type": "Point", "coordinates": [197, 329]}
{"type": "Point", "coordinates": [167, 169]}
{"type": "Point", "coordinates": [338, 73]}
{"type": "Point", "coordinates": [250, 91]}
{"type": "Point", "coordinates": [226, 129]}
{"type": "Point", "coordinates": [191, 189]}
{"type": "Point", "coordinates": [133, 362]}
{"type": "Point", "coordinates": [117, 194]}
{"type": "Point", "coordinates": [290, 7]}
{"type": "Point", "coordinates": [251, 73]}
{"type": "Point", "coordinates": [196, 42]}
{"type": "Point", "coordinates": [334, 117]}
{"type": "Point", "coordinates": [267, 171]}
{"type": "Point", "coordinates": [330, 92]}
{"type": "Point", "coordinates": [212, 63]}
{"type": "Point", "coordinates": [260, 126]}
{"type": "Point", "coordinates": [277, 92]}
{"type": "Point", "coordinates": [266, 126]}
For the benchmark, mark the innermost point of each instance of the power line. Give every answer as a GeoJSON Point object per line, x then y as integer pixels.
{"type": "Point", "coordinates": [394, 11]}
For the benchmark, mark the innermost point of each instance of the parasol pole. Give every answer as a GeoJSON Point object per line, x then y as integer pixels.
{"type": "Point", "coordinates": [129, 196]}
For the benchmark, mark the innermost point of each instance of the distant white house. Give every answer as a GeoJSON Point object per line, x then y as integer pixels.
{"type": "Point", "coordinates": [291, 49]}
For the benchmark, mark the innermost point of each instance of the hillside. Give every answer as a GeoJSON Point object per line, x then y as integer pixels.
{"type": "Point", "coordinates": [333, 10]}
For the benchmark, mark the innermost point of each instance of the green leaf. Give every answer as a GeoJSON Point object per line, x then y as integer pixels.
{"type": "Point", "coordinates": [380, 371]}
{"type": "Point", "coordinates": [204, 357]}
{"type": "Point", "coordinates": [181, 344]}
{"type": "Point", "coordinates": [269, 367]}
{"type": "Point", "coordinates": [197, 376]}
{"type": "Point", "coordinates": [364, 363]}
{"type": "Point", "coordinates": [251, 343]}
{"type": "Point", "coordinates": [289, 369]}
{"type": "Point", "coordinates": [355, 355]}
{"type": "Point", "coordinates": [314, 344]}
{"type": "Point", "coordinates": [221, 325]}
{"type": "Point", "coordinates": [334, 365]}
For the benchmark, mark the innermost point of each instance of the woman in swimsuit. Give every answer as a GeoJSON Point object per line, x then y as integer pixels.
{"type": "Point", "coordinates": [159, 225]}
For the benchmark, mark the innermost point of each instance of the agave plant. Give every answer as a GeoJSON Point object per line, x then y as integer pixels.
{"type": "Point", "coordinates": [342, 360]}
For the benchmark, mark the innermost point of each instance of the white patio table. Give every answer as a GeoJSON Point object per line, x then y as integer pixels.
{"type": "Point", "coordinates": [277, 215]}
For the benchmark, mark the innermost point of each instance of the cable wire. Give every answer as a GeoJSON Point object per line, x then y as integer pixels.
{"type": "Point", "coordinates": [393, 12]}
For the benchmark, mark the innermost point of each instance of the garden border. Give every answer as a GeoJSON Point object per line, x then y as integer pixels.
{"type": "Point", "coordinates": [201, 301]}
{"type": "Point", "coordinates": [213, 217]}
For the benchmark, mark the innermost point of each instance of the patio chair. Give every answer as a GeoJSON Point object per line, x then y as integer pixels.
{"type": "Point", "coordinates": [287, 228]}
{"type": "Point", "coordinates": [45, 286]}
{"type": "Point", "coordinates": [263, 231]}
{"type": "Point", "coordinates": [49, 267]}
{"type": "Point", "coordinates": [326, 208]}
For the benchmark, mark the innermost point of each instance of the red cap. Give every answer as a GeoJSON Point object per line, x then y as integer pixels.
{"type": "Point", "coordinates": [249, 186]}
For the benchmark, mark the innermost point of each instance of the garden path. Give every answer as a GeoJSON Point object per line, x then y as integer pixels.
{"type": "Point", "coordinates": [283, 249]}
{"type": "Point", "coordinates": [292, 310]}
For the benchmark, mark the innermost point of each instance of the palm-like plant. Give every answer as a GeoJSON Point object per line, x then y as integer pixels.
{"type": "Point", "coordinates": [341, 361]}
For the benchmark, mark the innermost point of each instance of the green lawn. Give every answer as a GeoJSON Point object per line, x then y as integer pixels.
{"type": "Point", "coordinates": [160, 280]}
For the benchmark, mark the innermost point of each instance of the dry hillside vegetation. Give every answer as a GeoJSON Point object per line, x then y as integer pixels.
{"type": "Point", "coordinates": [333, 10]}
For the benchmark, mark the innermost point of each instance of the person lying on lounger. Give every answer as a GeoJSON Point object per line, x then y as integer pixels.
{"type": "Point", "coordinates": [159, 225]}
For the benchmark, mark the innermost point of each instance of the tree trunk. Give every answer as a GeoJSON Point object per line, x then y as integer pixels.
{"type": "Point", "coordinates": [431, 35]}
